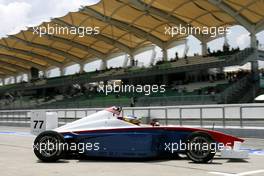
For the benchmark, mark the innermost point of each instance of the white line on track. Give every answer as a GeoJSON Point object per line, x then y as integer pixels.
{"type": "Point", "coordinates": [238, 174]}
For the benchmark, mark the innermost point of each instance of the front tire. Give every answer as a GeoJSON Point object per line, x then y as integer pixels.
{"type": "Point", "coordinates": [200, 153]}
{"type": "Point", "coordinates": [47, 146]}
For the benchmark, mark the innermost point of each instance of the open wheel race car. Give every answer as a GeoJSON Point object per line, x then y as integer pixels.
{"type": "Point", "coordinates": [107, 135]}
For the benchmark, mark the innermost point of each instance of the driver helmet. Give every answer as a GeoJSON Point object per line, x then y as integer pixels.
{"type": "Point", "coordinates": [132, 119]}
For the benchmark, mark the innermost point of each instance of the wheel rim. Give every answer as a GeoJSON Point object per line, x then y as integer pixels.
{"type": "Point", "coordinates": [198, 151]}
{"type": "Point", "coordinates": [51, 146]}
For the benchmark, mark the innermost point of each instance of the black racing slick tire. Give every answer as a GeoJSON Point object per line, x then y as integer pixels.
{"type": "Point", "coordinates": [47, 146]}
{"type": "Point", "coordinates": [202, 149]}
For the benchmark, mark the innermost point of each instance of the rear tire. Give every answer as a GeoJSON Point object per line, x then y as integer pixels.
{"type": "Point", "coordinates": [200, 154]}
{"type": "Point", "coordinates": [47, 148]}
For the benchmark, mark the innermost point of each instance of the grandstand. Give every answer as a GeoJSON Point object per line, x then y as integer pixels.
{"type": "Point", "coordinates": [50, 77]}
{"type": "Point", "coordinates": [188, 79]}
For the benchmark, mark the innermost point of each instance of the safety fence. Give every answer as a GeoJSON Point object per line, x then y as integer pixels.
{"type": "Point", "coordinates": [235, 115]}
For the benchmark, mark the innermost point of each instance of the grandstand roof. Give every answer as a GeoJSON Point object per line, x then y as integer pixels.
{"type": "Point", "coordinates": [125, 26]}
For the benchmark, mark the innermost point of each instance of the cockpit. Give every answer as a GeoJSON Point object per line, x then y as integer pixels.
{"type": "Point", "coordinates": [130, 118]}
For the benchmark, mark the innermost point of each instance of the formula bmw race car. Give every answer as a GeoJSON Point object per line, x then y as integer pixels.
{"type": "Point", "coordinates": [106, 134]}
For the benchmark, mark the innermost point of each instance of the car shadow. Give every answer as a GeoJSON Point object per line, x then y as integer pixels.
{"type": "Point", "coordinates": [210, 163]}
{"type": "Point", "coordinates": [55, 162]}
{"type": "Point", "coordinates": [107, 159]}
{"type": "Point", "coordinates": [237, 161]}
{"type": "Point", "coordinates": [121, 160]}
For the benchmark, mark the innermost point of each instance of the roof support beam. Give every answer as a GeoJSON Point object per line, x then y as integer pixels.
{"type": "Point", "coordinates": [75, 44]}
{"type": "Point", "coordinates": [17, 67]}
{"type": "Point", "coordinates": [50, 49]}
{"type": "Point", "coordinates": [123, 25]}
{"type": "Point", "coordinates": [142, 49]}
{"type": "Point", "coordinates": [79, 46]}
{"type": "Point", "coordinates": [21, 60]}
{"type": "Point", "coordinates": [260, 26]}
{"type": "Point", "coordinates": [140, 5]}
{"type": "Point", "coordinates": [115, 43]}
{"type": "Point", "coordinates": [173, 43]}
{"type": "Point", "coordinates": [104, 38]}
{"type": "Point", "coordinates": [2, 76]}
{"type": "Point", "coordinates": [32, 54]}
{"type": "Point", "coordinates": [240, 19]}
{"type": "Point", "coordinates": [7, 71]}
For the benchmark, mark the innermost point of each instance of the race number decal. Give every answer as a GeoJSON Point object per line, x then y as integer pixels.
{"type": "Point", "coordinates": [42, 121]}
{"type": "Point", "coordinates": [38, 122]}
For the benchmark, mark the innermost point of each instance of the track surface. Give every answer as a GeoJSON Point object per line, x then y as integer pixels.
{"type": "Point", "coordinates": [17, 159]}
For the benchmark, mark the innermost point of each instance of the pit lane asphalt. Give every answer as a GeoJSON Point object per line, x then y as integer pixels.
{"type": "Point", "coordinates": [18, 159]}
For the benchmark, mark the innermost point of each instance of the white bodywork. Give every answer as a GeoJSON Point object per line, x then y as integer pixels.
{"type": "Point", "coordinates": [260, 98]}
{"type": "Point", "coordinates": [235, 152]}
{"type": "Point", "coordinates": [100, 120]}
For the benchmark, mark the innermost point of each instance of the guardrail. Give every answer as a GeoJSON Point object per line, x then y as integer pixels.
{"type": "Point", "coordinates": [64, 105]}
{"type": "Point", "coordinates": [238, 57]}
{"type": "Point", "coordinates": [179, 100]}
{"type": "Point", "coordinates": [235, 115]}
{"type": "Point", "coordinates": [227, 94]}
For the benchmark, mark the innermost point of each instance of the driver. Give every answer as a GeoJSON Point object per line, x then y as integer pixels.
{"type": "Point", "coordinates": [115, 110]}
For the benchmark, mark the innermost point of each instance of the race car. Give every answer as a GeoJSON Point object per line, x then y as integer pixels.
{"type": "Point", "coordinates": [106, 134]}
